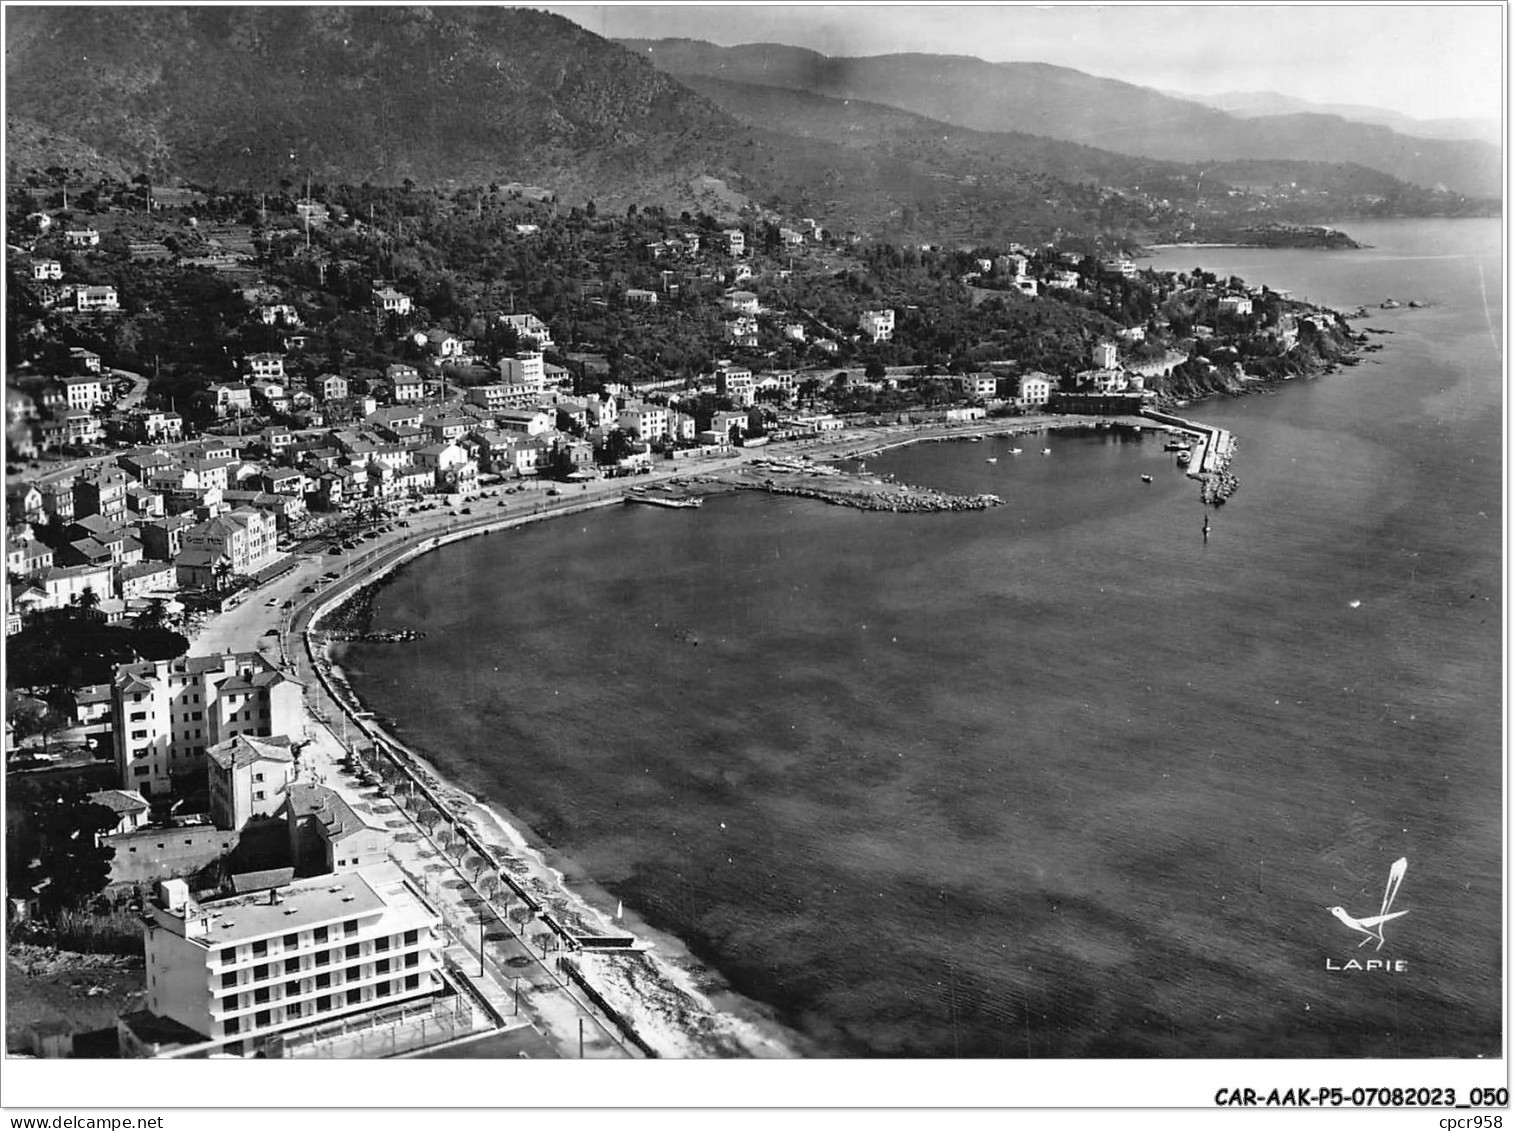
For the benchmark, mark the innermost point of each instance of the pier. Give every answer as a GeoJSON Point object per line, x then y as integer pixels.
{"type": "Point", "coordinates": [1213, 450]}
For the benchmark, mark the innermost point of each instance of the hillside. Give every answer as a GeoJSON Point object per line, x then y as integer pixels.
{"type": "Point", "coordinates": [1069, 105]}
{"type": "Point", "coordinates": [453, 95]}
{"type": "Point", "coordinates": [463, 96]}
{"type": "Point", "coordinates": [857, 123]}
{"type": "Point", "coordinates": [261, 98]}
{"type": "Point", "coordinates": [29, 145]}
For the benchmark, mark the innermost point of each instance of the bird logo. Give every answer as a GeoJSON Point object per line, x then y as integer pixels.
{"type": "Point", "coordinates": [1372, 925]}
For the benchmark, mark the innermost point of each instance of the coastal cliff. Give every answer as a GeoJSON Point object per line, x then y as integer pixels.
{"type": "Point", "coordinates": [1236, 371]}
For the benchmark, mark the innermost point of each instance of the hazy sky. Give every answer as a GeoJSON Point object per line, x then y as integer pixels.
{"type": "Point", "coordinates": [1424, 60]}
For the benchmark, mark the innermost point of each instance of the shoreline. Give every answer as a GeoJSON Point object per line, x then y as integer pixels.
{"type": "Point", "coordinates": [657, 992]}
{"type": "Point", "coordinates": [672, 1000]}
{"type": "Point", "coordinates": [668, 999]}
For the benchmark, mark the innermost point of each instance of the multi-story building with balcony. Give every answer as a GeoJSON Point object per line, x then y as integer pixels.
{"type": "Point", "coordinates": [644, 421]}
{"type": "Point", "coordinates": [167, 713]}
{"type": "Point", "coordinates": [736, 383]}
{"type": "Point", "coordinates": [247, 538]}
{"type": "Point", "coordinates": [251, 968]}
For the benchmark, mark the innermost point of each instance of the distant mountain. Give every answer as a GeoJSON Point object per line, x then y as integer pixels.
{"type": "Point", "coordinates": [1068, 105]}
{"type": "Point", "coordinates": [857, 123]}
{"type": "Point", "coordinates": [1268, 103]}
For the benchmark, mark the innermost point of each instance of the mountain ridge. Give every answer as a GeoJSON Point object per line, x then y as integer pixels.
{"type": "Point", "coordinates": [1070, 105]}
{"type": "Point", "coordinates": [1271, 103]}
{"type": "Point", "coordinates": [358, 94]}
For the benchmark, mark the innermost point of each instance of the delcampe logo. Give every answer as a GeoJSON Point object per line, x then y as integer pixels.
{"type": "Point", "coordinates": [1374, 926]}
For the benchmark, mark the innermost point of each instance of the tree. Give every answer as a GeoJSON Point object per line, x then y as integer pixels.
{"type": "Point", "coordinates": [155, 615]}
{"type": "Point", "coordinates": [84, 602]}
{"type": "Point", "coordinates": [52, 847]}
{"type": "Point", "coordinates": [428, 817]}
{"type": "Point", "coordinates": [34, 718]}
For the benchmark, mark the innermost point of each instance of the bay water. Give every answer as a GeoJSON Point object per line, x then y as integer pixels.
{"type": "Point", "coordinates": [1059, 778]}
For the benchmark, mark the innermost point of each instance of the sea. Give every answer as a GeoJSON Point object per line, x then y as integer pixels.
{"type": "Point", "coordinates": [1063, 778]}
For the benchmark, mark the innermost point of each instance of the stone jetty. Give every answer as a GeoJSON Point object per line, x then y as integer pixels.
{"type": "Point", "coordinates": [901, 500]}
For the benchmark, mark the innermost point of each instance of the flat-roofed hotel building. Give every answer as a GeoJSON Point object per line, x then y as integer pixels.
{"type": "Point", "coordinates": [239, 970]}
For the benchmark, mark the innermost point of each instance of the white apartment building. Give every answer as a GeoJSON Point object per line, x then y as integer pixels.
{"type": "Point", "coordinates": [500, 398]}
{"type": "Point", "coordinates": [526, 368]}
{"type": "Point", "coordinates": [878, 325]}
{"type": "Point", "coordinates": [981, 385]}
{"type": "Point", "coordinates": [643, 421]}
{"type": "Point", "coordinates": [1035, 390]}
{"type": "Point", "coordinates": [46, 269]}
{"type": "Point", "coordinates": [1105, 355]}
{"type": "Point", "coordinates": [735, 241]}
{"type": "Point", "coordinates": [84, 393]}
{"type": "Point", "coordinates": [737, 384]}
{"type": "Point", "coordinates": [248, 778]}
{"type": "Point", "coordinates": [166, 714]}
{"type": "Point", "coordinates": [247, 538]}
{"type": "Point", "coordinates": [405, 383]}
{"type": "Point", "coordinates": [244, 969]}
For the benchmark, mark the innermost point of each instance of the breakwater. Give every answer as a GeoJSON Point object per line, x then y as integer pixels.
{"type": "Point", "coordinates": [1213, 452]}
{"type": "Point", "coordinates": [906, 500]}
